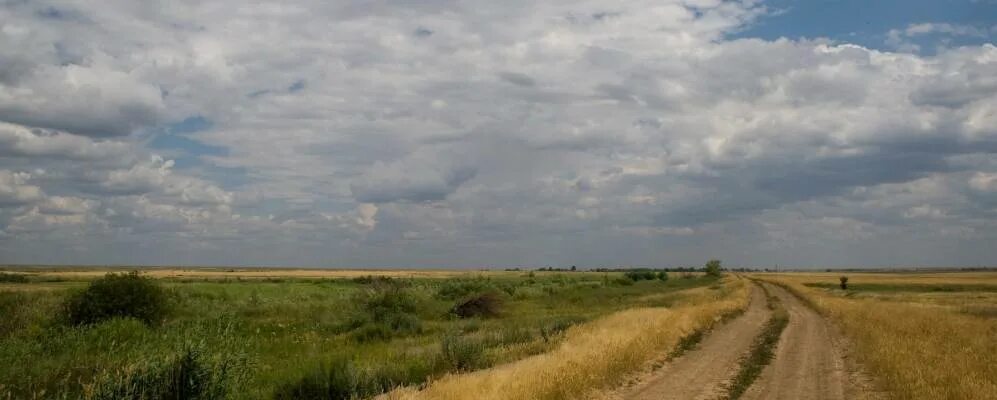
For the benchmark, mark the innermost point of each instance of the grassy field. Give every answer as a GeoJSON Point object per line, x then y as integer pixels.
{"type": "Point", "coordinates": [294, 333]}
{"type": "Point", "coordinates": [922, 336]}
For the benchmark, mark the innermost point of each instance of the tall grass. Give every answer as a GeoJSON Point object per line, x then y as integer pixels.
{"type": "Point", "coordinates": [592, 356]}
{"type": "Point", "coordinates": [189, 375]}
{"type": "Point", "coordinates": [291, 327]}
{"type": "Point", "coordinates": [916, 350]}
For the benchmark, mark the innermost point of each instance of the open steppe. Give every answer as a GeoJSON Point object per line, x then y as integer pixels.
{"type": "Point", "coordinates": [446, 334]}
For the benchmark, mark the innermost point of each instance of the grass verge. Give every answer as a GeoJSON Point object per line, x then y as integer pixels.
{"type": "Point", "coordinates": [592, 356]}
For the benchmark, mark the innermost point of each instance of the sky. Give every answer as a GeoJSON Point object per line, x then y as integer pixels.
{"type": "Point", "coordinates": [442, 133]}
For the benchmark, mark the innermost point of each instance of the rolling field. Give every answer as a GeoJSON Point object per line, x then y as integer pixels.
{"type": "Point", "coordinates": [393, 334]}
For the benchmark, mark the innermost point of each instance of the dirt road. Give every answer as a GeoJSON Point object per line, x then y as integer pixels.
{"type": "Point", "coordinates": [702, 372]}
{"type": "Point", "coordinates": [809, 360]}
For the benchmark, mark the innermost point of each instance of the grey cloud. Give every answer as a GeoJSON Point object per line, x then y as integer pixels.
{"type": "Point", "coordinates": [448, 133]}
{"type": "Point", "coordinates": [518, 79]}
{"type": "Point", "coordinates": [385, 186]}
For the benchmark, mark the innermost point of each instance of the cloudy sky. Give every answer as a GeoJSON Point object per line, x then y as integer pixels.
{"type": "Point", "coordinates": [445, 133]}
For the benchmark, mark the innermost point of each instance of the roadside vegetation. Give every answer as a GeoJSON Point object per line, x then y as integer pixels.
{"type": "Point", "coordinates": [230, 336]}
{"type": "Point", "coordinates": [594, 356]}
{"type": "Point", "coordinates": [923, 336]}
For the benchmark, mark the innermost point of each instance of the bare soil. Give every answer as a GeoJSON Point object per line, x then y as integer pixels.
{"type": "Point", "coordinates": [810, 360]}
{"type": "Point", "coordinates": [702, 373]}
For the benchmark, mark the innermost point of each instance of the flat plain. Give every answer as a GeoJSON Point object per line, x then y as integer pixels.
{"type": "Point", "coordinates": [417, 334]}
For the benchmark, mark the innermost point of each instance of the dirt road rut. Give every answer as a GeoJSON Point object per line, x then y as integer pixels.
{"type": "Point", "coordinates": [809, 360]}
{"type": "Point", "coordinates": [702, 372]}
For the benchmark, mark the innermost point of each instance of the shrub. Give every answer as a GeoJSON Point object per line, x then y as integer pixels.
{"type": "Point", "coordinates": [487, 304]}
{"type": "Point", "coordinates": [459, 354]}
{"type": "Point", "coordinates": [844, 282]}
{"type": "Point", "coordinates": [622, 281]}
{"type": "Point", "coordinates": [117, 295]}
{"type": "Point", "coordinates": [387, 312]}
{"type": "Point", "coordinates": [186, 376]}
{"type": "Point", "coordinates": [640, 275]}
{"type": "Point", "coordinates": [712, 268]}
{"type": "Point", "coordinates": [13, 278]}
{"type": "Point", "coordinates": [385, 303]}
{"type": "Point", "coordinates": [662, 276]}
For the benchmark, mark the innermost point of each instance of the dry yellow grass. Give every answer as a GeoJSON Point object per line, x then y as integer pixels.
{"type": "Point", "coordinates": [593, 356]}
{"type": "Point", "coordinates": [920, 346]}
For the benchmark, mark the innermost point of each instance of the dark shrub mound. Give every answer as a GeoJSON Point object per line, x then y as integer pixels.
{"type": "Point", "coordinates": [487, 304]}
{"type": "Point", "coordinates": [186, 376]}
{"type": "Point", "coordinates": [117, 295]}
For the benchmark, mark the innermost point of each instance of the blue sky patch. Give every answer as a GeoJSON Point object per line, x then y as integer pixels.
{"type": "Point", "coordinates": [868, 23]}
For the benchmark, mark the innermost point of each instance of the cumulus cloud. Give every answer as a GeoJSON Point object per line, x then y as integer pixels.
{"type": "Point", "coordinates": [440, 133]}
{"type": "Point", "coordinates": [15, 189]}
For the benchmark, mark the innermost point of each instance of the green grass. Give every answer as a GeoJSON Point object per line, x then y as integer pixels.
{"type": "Point", "coordinates": [288, 331]}
{"type": "Point", "coordinates": [908, 287]}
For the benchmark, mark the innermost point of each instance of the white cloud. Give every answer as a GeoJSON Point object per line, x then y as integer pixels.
{"type": "Point", "coordinates": [15, 189]}
{"type": "Point", "coordinates": [516, 131]}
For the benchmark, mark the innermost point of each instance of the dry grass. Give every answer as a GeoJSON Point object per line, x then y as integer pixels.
{"type": "Point", "coordinates": [919, 345]}
{"type": "Point", "coordinates": [593, 356]}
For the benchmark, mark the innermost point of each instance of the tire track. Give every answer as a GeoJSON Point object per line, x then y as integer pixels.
{"type": "Point", "coordinates": [809, 361]}
{"type": "Point", "coordinates": [702, 373]}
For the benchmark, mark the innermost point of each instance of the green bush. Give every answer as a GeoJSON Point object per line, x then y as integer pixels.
{"type": "Point", "coordinates": [386, 312]}
{"type": "Point", "coordinates": [662, 276]}
{"type": "Point", "coordinates": [13, 278]}
{"type": "Point", "coordinates": [117, 295]}
{"type": "Point", "coordinates": [640, 275]}
{"type": "Point", "coordinates": [713, 268]}
{"type": "Point", "coordinates": [186, 376]}
{"type": "Point", "coordinates": [623, 281]}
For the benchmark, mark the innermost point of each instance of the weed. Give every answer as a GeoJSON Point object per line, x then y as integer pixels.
{"type": "Point", "coordinates": [186, 376]}
{"type": "Point", "coordinates": [461, 354]}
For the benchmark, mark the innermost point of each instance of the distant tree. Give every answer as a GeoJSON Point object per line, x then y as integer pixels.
{"type": "Point", "coordinates": [574, 268]}
{"type": "Point", "coordinates": [844, 282]}
{"type": "Point", "coordinates": [712, 268]}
